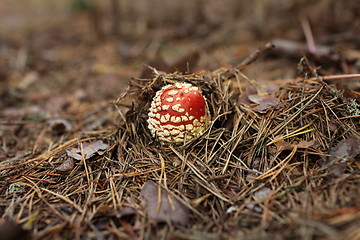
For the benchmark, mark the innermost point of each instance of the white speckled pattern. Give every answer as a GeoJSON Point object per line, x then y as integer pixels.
{"type": "Point", "coordinates": [178, 112]}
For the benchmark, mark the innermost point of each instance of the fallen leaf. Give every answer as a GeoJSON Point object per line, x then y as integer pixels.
{"type": "Point", "coordinates": [168, 209]}
{"type": "Point", "coordinates": [263, 96]}
{"type": "Point", "coordinates": [283, 145]}
{"type": "Point", "coordinates": [255, 98]}
{"type": "Point", "coordinates": [14, 187]}
{"type": "Point", "coordinates": [269, 88]}
{"type": "Point", "coordinates": [89, 148]}
{"type": "Point", "coordinates": [266, 103]}
{"type": "Point", "coordinates": [345, 151]}
{"type": "Point", "coordinates": [249, 91]}
{"type": "Point", "coordinates": [126, 211]}
{"type": "Point", "coordinates": [66, 166]}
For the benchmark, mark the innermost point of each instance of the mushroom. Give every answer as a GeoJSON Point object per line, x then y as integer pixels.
{"type": "Point", "coordinates": [178, 113]}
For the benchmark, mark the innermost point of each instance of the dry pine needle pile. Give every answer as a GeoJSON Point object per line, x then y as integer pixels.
{"type": "Point", "coordinates": [275, 161]}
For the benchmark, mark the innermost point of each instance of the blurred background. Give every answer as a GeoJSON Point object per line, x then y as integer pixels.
{"type": "Point", "coordinates": [88, 49]}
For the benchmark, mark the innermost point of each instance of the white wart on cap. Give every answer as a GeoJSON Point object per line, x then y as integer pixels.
{"type": "Point", "coordinates": [178, 112]}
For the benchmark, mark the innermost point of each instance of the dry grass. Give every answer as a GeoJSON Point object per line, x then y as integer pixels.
{"type": "Point", "coordinates": [234, 180]}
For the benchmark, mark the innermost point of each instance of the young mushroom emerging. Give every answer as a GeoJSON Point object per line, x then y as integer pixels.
{"type": "Point", "coordinates": [178, 112]}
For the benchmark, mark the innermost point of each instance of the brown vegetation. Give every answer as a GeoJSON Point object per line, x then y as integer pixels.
{"type": "Point", "coordinates": [280, 159]}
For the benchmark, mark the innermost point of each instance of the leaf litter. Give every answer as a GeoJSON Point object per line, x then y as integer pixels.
{"type": "Point", "coordinates": [243, 173]}
{"type": "Point", "coordinates": [233, 173]}
{"type": "Point", "coordinates": [89, 149]}
{"type": "Point", "coordinates": [263, 97]}
{"type": "Point", "coordinates": [284, 145]}
{"type": "Point", "coordinates": [342, 154]}
{"type": "Point", "coordinates": [345, 151]}
{"type": "Point", "coordinates": [67, 165]}
{"type": "Point", "coordinates": [224, 169]}
{"type": "Point", "coordinates": [161, 206]}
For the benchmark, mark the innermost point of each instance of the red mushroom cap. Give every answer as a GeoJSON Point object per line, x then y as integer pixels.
{"type": "Point", "coordinates": [178, 112]}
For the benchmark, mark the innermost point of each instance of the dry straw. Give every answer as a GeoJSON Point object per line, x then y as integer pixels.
{"type": "Point", "coordinates": [235, 179]}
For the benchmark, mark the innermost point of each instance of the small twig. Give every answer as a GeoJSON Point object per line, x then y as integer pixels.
{"type": "Point", "coordinates": [293, 49]}
{"type": "Point", "coordinates": [355, 116]}
{"type": "Point", "coordinates": [310, 42]}
{"type": "Point", "coordinates": [212, 179]}
{"type": "Point", "coordinates": [255, 55]}
{"type": "Point", "coordinates": [335, 77]}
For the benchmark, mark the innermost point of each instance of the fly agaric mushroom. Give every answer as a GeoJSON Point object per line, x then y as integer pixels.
{"type": "Point", "coordinates": [178, 112]}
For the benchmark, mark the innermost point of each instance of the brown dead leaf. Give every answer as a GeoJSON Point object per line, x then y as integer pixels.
{"type": "Point", "coordinates": [283, 145]}
{"type": "Point", "coordinates": [244, 97]}
{"type": "Point", "coordinates": [333, 126]}
{"type": "Point", "coordinates": [89, 148]}
{"type": "Point", "coordinates": [126, 211]}
{"type": "Point", "coordinates": [345, 151]}
{"type": "Point", "coordinates": [269, 88]}
{"type": "Point", "coordinates": [266, 103]}
{"type": "Point", "coordinates": [66, 166]}
{"type": "Point", "coordinates": [169, 210]}
{"type": "Point", "coordinates": [262, 97]}
{"type": "Point", "coordinates": [306, 144]}
{"type": "Point", "coordinates": [255, 98]}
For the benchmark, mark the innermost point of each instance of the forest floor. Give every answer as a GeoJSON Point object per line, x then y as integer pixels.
{"type": "Point", "coordinates": [280, 159]}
